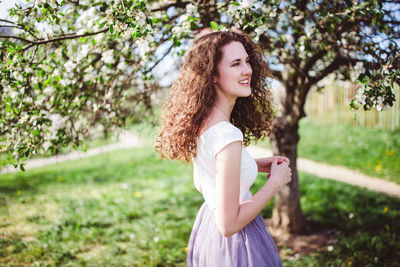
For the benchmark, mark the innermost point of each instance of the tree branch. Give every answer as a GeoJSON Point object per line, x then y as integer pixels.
{"type": "Point", "coordinates": [159, 60]}
{"type": "Point", "coordinates": [277, 75]}
{"type": "Point", "coordinates": [61, 38]}
{"type": "Point", "coordinates": [178, 3]}
{"type": "Point", "coordinates": [16, 25]}
{"type": "Point", "coordinates": [334, 65]}
{"type": "Point", "coordinates": [16, 37]}
{"type": "Point", "coordinates": [391, 22]}
{"type": "Point", "coordinates": [313, 59]}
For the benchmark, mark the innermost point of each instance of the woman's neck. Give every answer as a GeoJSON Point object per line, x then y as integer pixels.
{"type": "Point", "coordinates": [223, 110]}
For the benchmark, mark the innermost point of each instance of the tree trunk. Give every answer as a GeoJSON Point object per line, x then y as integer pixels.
{"type": "Point", "coordinates": [287, 212]}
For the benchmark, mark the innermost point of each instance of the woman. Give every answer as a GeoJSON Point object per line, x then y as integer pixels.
{"type": "Point", "coordinates": [220, 102]}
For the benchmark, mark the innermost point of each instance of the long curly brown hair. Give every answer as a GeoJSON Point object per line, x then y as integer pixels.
{"type": "Point", "coordinates": [193, 95]}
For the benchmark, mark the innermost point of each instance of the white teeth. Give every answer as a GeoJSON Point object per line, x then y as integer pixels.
{"type": "Point", "coordinates": [243, 82]}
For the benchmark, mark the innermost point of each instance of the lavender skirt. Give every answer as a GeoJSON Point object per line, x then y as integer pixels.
{"type": "Point", "coordinates": [251, 246]}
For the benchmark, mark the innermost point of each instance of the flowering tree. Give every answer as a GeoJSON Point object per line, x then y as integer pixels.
{"type": "Point", "coordinates": [72, 66]}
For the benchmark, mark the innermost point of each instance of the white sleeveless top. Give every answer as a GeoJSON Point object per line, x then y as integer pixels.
{"type": "Point", "coordinates": [212, 141]}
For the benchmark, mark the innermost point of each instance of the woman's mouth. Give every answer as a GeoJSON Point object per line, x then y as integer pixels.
{"type": "Point", "coordinates": [245, 82]}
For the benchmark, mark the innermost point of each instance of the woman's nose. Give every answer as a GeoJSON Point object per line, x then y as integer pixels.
{"type": "Point", "coordinates": [247, 69]}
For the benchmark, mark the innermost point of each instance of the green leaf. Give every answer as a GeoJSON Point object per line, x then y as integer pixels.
{"type": "Point", "coordinates": [102, 24]}
{"type": "Point", "coordinates": [193, 26]}
{"type": "Point", "coordinates": [41, 73]}
{"type": "Point", "coordinates": [214, 25]}
{"type": "Point", "coordinates": [364, 79]}
{"type": "Point", "coordinates": [111, 29]}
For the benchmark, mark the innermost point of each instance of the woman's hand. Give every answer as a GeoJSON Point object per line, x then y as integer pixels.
{"type": "Point", "coordinates": [280, 174]}
{"type": "Point", "coordinates": [264, 164]}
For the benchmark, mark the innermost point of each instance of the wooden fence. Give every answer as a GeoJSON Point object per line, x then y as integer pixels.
{"type": "Point", "coordinates": [331, 105]}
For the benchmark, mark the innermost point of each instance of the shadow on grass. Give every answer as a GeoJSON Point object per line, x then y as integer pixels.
{"type": "Point", "coordinates": [366, 223]}
{"type": "Point", "coordinates": [100, 169]}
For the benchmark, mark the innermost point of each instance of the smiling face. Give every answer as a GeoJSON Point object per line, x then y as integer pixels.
{"type": "Point", "coordinates": [234, 72]}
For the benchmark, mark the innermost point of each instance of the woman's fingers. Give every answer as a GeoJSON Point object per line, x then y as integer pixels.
{"type": "Point", "coordinates": [283, 159]}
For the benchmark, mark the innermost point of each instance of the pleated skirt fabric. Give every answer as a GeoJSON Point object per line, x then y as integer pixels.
{"type": "Point", "coordinates": [252, 246]}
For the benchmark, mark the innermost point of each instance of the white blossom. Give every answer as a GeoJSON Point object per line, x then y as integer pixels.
{"type": "Point", "coordinates": [232, 9]}
{"type": "Point", "coordinates": [220, 5]}
{"type": "Point", "coordinates": [361, 99]}
{"type": "Point", "coordinates": [379, 107]}
{"type": "Point", "coordinates": [121, 26]}
{"type": "Point", "coordinates": [69, 66]}
{"type": "Point", "coordinates": [46, 145]}
{"type": "Point", "coordinates": [124, 186]}
{"type": "Point", "coordinates": [65, 82]}
{"type": "Point", "coordinates": [88, 17]}
{"type": "Point", "coordinates": [178, 30]}
{"type": "Point", "coordinates": [108, 56]}
{"type": "Point", "coordinates": [191, 9]}
{"type": "Point", "coordinates": [83, 51]}
{"type": "Point", "coordinates": [360, 96]}
{"type": "Point", "coordinates": [143, 46]}
{"type": "Point", "coordinates": [95, 107]}
{"type": "Point", "coordinates": [40, 2]}
{"type": "Point", "coordinates": [57, 121]}
{"type": "Point", "coordinates": [141, 18]}
{"type": "Point", "coordinates": [261, 29]}
{"type": "Point", "coordinates": [80, 123]}
{"type": "Point", "coordinates": [99, 37]}
{"type": "Point", "coordinates": [109, 94]}
{"type": "Point", "coordinates": [90, 73]}
{"type": "Point", "coordinates": [24, 118]}
{"type": "Point", "coordinates": [49, 90]}
{"type": "Point", "coordinates": [246, 4]}
{"type": "Point", "coordinates": [56, 72]}
{"type": "Point", "coordinates": [39, 100]}
{"type": "Point", "coordinates": [122, 66]}
{"type": "Point", "coordinates": [127, 33]}
{"type": "Point", "coordinates": [14, 94]}
{"type": "Point", "coordinates": [308, 29]}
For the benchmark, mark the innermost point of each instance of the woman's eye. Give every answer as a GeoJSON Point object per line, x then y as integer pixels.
{"type": "Point", "coordinates": [236, 64]}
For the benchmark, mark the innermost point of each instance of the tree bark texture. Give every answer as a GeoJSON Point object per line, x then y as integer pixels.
{"type": "Point", "coordinates": [284, 138]}
{"type": "Point", "coordinates": [287, 212]}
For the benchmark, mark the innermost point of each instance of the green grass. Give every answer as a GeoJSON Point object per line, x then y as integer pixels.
{"type": "Point", "coordinates": [373, 151]}
{"type": "Point", "coordinates": [130, 208]}
{"type": "Point", "coordinates": [126, 207]}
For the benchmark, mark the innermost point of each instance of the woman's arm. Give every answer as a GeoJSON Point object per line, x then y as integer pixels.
{"type": "Point", "coordinates": [232, 216]}
{"type": "Point", "coordinates": [264, 164]}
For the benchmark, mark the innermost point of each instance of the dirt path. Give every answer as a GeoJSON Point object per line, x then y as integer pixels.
{"type": "Point", "coordinates": [338, 173]}
{"type": "Point", "coordinates": [126, 140]}
{"type": "Point", "coordinates": [321, 170]}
